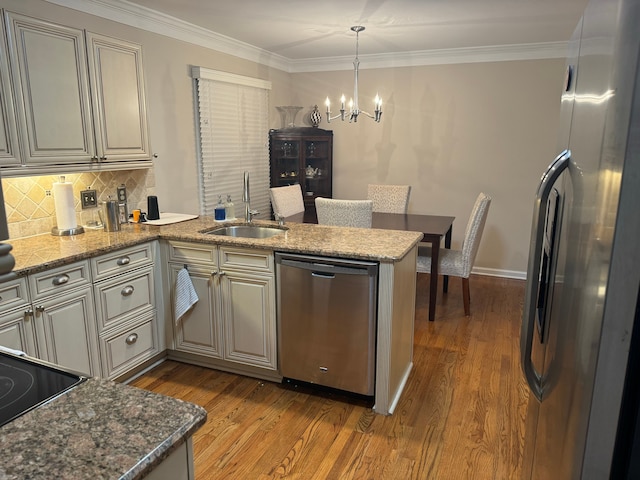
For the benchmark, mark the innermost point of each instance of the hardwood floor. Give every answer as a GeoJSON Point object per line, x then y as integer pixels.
{"type": "Point", "coordinates": [461, 415]}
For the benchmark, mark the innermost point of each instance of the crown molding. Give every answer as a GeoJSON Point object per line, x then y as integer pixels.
{"type": "Point", "coordinates": [127, 13]}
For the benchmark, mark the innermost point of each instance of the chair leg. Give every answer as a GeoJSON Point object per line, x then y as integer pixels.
{"type": "Point", "coordinates": [466, 297]}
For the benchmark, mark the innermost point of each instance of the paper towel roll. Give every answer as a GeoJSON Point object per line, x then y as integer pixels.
{"type": "Point", "coordinates": [63, 201]}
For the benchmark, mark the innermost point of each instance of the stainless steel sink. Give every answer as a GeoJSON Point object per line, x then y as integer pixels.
{"type": "Point", "coordinates": [246, 231]}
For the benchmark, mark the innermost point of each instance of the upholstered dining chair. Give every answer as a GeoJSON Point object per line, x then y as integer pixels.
{"type": "Point", "coordinates": [389, 198]}
{"type": "Point", "coordinates": [344, 213]}
{"type": "Point", "coordinates": [458, 263]}
{"type": "Point", "coordinates": [287, 200]}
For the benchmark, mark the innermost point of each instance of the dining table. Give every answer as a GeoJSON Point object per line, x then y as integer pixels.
{"type": "Point", "coordinates": [433, 228]}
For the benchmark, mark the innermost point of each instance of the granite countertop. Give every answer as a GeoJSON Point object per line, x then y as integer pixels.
{"type": "Point", "coordinates": [46, 251]}
{"type": "Point", "coordinates": [98, 430]}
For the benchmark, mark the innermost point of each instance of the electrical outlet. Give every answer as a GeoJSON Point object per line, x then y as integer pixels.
{"type": "Point", "coordinates": [88, 198]}
{"type": "Point", "coordinates": [122, 194]}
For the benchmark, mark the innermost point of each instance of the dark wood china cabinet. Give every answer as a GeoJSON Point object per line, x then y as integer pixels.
{"type": "Point", "coordinates": [302, 155]}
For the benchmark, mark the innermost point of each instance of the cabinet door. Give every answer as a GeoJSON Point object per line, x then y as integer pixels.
{"type": "Point", "coordinates": [119, 106]}
{"type": "Point", "coordinates": [285, 161]}
{"type": "Point", "coordinates": [199, 330]}
{"type": "Point", "coordinates": [66, 331]}
{"type": "Point", "coordinates": [16, 331]}
{"type": "Point", "coordinates": [249, 318]}
{"type": "Point", "coordinates": [316, 158]}
{"type": "Point", "coordinates": [48, 65]}
{"type": "Point", "coordinates": [9, 153]}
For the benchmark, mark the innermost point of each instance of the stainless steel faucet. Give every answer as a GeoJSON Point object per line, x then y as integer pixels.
{"type": "Point", "coordinates": [246, 198]}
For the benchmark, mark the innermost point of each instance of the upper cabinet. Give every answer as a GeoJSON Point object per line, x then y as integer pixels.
{"type": "Point", "coordinates": [117, 94]}
{"type": "Point", "coordinates": [9, 153]}
{"type": "Point", "coordinates": [80, 99]}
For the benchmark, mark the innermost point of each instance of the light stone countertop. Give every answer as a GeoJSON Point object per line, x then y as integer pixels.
{"type": "Point", "coordinates": [41, 252]}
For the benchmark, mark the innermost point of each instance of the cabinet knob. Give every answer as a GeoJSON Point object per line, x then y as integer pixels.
{"type": "Point", "coordinates": [123, 261]}
{"type": "Point", "coordinates": [60, 280]}
{"type": "Point", "coordinates": [39, 309]}
{"type": "Point", "coordinates": [222, 273]}
{"type": "Point", "coordinates": [28, 313]}
{"type": "Point", "coordinates": [94, 159]}
{"type": "Point", "coordinates": [102, 159]}
{"type": "Point", "coordinates": [131, 339]}
{"type": "Point", "coordinates": [126, 291]}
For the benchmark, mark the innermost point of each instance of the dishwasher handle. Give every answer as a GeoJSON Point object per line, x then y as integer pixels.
{"type": "Point", "coordinates": [320, 269]}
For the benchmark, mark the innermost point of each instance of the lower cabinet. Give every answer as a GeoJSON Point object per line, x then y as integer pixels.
{"type": "Point", "coordinates": [66, 331]}
{"type": "Point", "coordinates": [102, 328]}
{"type": "Point", "coordinates": [234, 319]}
{"type": "Point", "coordinates": [50, 315]}
{"type": "Point", "coordinates": [124, 291]}
{"type": "Point", "coordinates": [16, 327]}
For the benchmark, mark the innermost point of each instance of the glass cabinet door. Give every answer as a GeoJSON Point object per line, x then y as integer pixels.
{"type": "Point", "coordinates": [285, 162]}
{"type": "Point", "coordinates": [317, 168]}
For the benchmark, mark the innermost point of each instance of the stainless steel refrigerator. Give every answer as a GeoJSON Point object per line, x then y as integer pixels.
{"type": "Point", "coordinates": [580, 337]}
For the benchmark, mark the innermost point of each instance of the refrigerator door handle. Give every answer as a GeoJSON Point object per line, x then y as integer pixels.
{"type": "Point", "coordinates": [547, 181]}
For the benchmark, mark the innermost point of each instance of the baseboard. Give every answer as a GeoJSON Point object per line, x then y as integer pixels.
{"type": "Point", "coordinates": [494, 272]}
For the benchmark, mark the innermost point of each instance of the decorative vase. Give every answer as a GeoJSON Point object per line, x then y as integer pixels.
{"type": "Point", "coordinates": [288, 115]}
{"type": "Point", "coordinates": [315, 117]}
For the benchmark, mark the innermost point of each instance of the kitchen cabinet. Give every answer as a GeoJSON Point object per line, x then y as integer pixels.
{"type": "Point", "coordinates": [79, 101]}
{"type": "Point", "coordinates": [125, 297]}
{"type": "Point", "coordinates": [63, 317]}
{"type": "Point", "coordinates": [234, 318]}
{"type": "Point", "coordinates": [9, 153]}
{"type": "Point", "coordinates": [302, 155]}
{"type": "Point", "coordinates": [16, 329]}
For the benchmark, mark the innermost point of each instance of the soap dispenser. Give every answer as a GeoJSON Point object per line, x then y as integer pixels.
{"type": "Point", "coordinates": [229, 209]}
{"type": "Point", "coordinates": [218, 212]}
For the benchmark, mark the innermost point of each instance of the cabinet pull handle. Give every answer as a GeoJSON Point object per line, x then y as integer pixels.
{"type": "Point", "coordinates": [131, 339]}
{"type": "Point", "coordinates": [103, 158]}
{"type": "Point", "coordinates": [222, 273]}
{"type": "Point", "coordinates": [123, 261]}
{"type": "Point", "coordinates": [214, 273]}
{"type": "Point", "coordinates": [60, 280]}
{"type": "Point", "coordinates": [39, 309]}
{"type": "Point", "coordinates": [126, 291]}
{"type": "Point", "coordinates": [28, 313]}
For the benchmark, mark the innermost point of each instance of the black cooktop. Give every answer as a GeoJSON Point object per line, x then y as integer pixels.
{"type": "Point", "coordinates": [26, 384]}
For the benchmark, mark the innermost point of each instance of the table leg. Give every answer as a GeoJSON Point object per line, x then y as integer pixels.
{"type": "Point", "coordinates": [447, 244]}
{"type": "Point", "coordinates": [433, 289]}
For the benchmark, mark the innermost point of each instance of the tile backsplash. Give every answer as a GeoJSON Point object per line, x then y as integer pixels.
{"type": "Point", "coordinates": [30, 206]}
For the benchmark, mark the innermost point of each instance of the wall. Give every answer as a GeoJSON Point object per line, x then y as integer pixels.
{"type": "Point", "coordinates": [449, 130]}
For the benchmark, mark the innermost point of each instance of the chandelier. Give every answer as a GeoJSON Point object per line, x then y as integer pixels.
{"type": "Point", "coordinates": [354, 109]}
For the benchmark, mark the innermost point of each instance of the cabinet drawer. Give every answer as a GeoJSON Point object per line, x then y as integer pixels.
{"type": "Point", "coordinates": [121, 261]}
{"type": "Point", "coordinates": [13, 294]}
{"type": "Point", "coordinates": [124, 296]}
{"type": "Point", "coordinates": [123, 351]}
{"type": "Point", "coordinates": [58, 280]}
{"type": "Point", "coordinates": [193, 253]}
{"type": "Point", "coordinates": [246, 258]}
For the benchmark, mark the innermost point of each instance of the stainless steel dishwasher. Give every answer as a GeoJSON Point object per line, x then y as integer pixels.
{"type": "Point", "coordinates": [327, 311]}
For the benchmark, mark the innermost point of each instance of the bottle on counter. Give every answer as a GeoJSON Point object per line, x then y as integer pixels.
{"type": "Point", "coordinates": [218, 211]}
{"type": "Point", "coordinates": [229, 208]}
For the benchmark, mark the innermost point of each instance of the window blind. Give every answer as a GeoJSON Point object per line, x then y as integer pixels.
{"type": "Point", "coordinates": [233, 138]}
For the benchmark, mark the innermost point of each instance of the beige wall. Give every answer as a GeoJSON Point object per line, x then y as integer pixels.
{"type": "Point", "coordinates": [450, 131]}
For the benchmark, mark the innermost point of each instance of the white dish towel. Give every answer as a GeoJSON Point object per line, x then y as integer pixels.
{"type": "Point", "coordinates": [186, 296]}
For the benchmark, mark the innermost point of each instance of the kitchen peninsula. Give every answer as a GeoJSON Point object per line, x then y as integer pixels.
{"type": "Point", "coordinates": [394, 250]}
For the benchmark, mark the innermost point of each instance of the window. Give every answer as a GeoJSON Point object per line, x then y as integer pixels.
{"type": "Point", "coordinates": [233, 138]}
